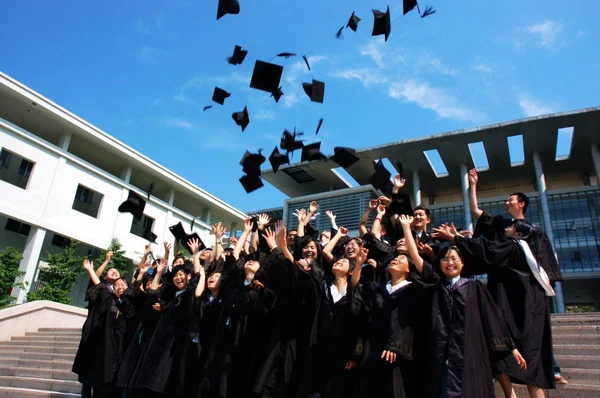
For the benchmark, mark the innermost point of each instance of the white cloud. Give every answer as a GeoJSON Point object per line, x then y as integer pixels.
{"type": "Point", "coordinates": [374, 50]}
{"type": "Point", "coordinates": [291, 94]}
{"type": "Point", "coordinates": [366, 76]}
{"type": "Point", "coordinates": [531, 107]}
{"type": "Point", "coordinates": [222, 140]}
{"type": "Point", "coordinates": [199, 82]}
{"type": "Point", "coordinates": [483, 68]}
{"type": "Point", "coordinates": [177, 122]}
{"type": "Point", "coordinates": [428, 97]}
{"type": "Point", "coordinates": [544, 34]}
{"type": "Point", "coordinates": [264, 115]}
{"type": "Point", "coordinates": [431, 64]}
{"type": "Point", "coordinates": [148, 54]}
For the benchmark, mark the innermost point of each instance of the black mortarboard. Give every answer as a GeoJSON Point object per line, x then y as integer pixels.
{"type": "Point", "coordinates": [380, 177]}
{"type": "Point", "coordinates": [266, 76]}
{"type": "Point", "coordinates": [277, 94]}
{"type": "Point", "coordinates": [343, 156]}
{"type": "Point", "coordinates": [408, 5]}
{"type": "Point", "coordinates": [353, 22]}
{"type": "Point", "coordinates": [219, 95]}
{"type": "Point", "coordinates": [315, 90]}
{"type": "Point", "coordinates": [187, 238]}
{"type": "Point", "coordinates": [238, 56]}
{"type": "Point", "coordinates": [312, 152]}
{"type": "Point", "coordinates": [178, 231]}
{"type": "Point", "coordinates": [228, 7]}
{"type": "Point", "coordinates": [149, 236]}
{"type": "Point", "coordinates": [134, 204]}
{"type": "Point", "coordinates": [241, 118]}
{"type": "Point", "coordinates": [277, 159]}
{"type": "Point", "coordinates": [400, 168]}
{"type": "Point", "coordinates": [382, 24]}
{"type": "Point", "coordinates": [251, 182]}
{"type": "Point", "coordinates": [289, 142]}
{"type": "Point", "coordinates": [251, 162]}
{"type": "Point", "coordinates": [400, 204]}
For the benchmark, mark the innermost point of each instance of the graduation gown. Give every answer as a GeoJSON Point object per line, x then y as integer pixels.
{"type": "Point", "coordinates": [334, 341]}
{"type": "Point", "coordinates": [492, 228]}
{"type": "Point", "coordinates": [522, 304]}
{"type": "Point", "coordinates": [389, 324]}
{"type": "Point", "coordinates": [159, 367]}
{"type": "Point", "coordinates": [463, 334]}
{"type": "Point", "coordinates": [237, 338]}
{"type": "Point", "coordinates": [101, 345]}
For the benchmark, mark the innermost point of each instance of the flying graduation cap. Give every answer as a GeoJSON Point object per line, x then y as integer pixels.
{"type": "Point", "coordinates": [312, 152]}
{"type": "Point", "coordinates": [278, 159]}
{"type": "Point", "coordinates": [266, 76]}
{"type": "Point", "coordinates": [409, 5]}
{"type": "Point", "coordinates": [251, 162]}
{"type": "Point", "coordinates": [352, 24]}
{"type": "Point", "coordinates": [238, 56]}
{"type": "Point", "coordinates": [228, 7]}
{"type": "Point", "coordinates": [289, 142]}
{"type": "Point", "coordinates": [219, 95]}
{"type": "Point", "coordinates": [381, 177]}
{"type": "Point", "coordinates": [315, 90]}
{"type": "Point", "coordinates": [251, 182]}
{"type": "Point", "coordinates": [135, 204]}
{"type": "Point", "coordinates": [382, 24]}
{"type": "Point", "coordinates": [183, 237]}
{"type": "Point", "coordinates": [277, 94]}
{"type": "Point", "coordinates": [241, 118]}
{"type": "Point", "coordinates": [343, 156]}
{"type": "Point", "coordinates": [149, 235]}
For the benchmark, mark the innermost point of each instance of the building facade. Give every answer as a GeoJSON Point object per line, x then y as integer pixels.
{"type": "Point", "coordinates": [62, 179]}
{"type": "Point", "coordinates": [518, 156]}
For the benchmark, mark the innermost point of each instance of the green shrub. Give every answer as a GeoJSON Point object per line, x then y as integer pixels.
{"type": "Point", "coordinates": [10, 258]}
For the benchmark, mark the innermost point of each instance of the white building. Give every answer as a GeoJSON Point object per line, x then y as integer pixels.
{"type": "Point", "coordinates": [62, 178]}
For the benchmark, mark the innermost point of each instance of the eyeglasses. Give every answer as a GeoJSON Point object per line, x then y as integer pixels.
{"type": "Point", "coordinates": [451, 259]}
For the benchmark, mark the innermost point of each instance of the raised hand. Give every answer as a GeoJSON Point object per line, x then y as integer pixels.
{"type": "Point", "coordinates": [162, 265]}
{"type": "Point", "coordinates": [109, 256]}
{"type": "Point", "coordinates": [147, 249]}
{"type": "Point", "coordinates": [281, 234]}
{"type": "Point", "coordinates": [373, 204]}
{"type": "Point", "coordinates": [384, 200]}
{"type": "Point", "coordinates": [342, 231]}
{"type": "Point", "coordinates": [399, 181]}
{"type": "Point", "coordinates": [301, 216]}
{"type": "Point", "coordinates": [194, 245]}
{"type": "Point", "coordinates": [143, 268]}
{"type": "Point", "coordinates": [88, 265]}
{"type": "Point", "coordinates": [248, 225]}
{"type": "Point", "coordinates": [331, 216]}
{"type": "Point", "coordinates": [443, 232]}
{"type": "Point", "coordinates": [167, 247]}
{"type": "Point", "coordinates": [313, 207]}
{"type": "Point", "coordinates": [232, 240]}
{"type": "Point", "coordinates": [361, 257]}
{"type": "Point", "coordinates": [473, 177]}
{"type": "Point", "coordinates": [405, 220]}
{"type": "Point", "coordinates": [380, 211]}
{"type": "Point", "coordinates": [220, 230]}
{"type": "Point", "coordinates": [269, 236]}
{"type": "Point", "coordinates": [263, 219]}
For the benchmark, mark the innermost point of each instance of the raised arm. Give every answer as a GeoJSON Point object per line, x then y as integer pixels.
{"type": "Point", "coordinates": [476, 212]}
{"type": "Point", "coordinates": [167, 247]}
{"type": "Point", "coordinates": [89, 267]}
{"type": "Point", "coordinates": [361, 258]}
{"type": "Point", "coordinates": [301, 222]}
{"type": "Point", "coordinates": [194, 245]}
{"type": "Point", "coordinates": [218, 251]}
{"type": "Point", "coordinates": [362, 226]}
{"type": "Point", "coordinates": [263, 220]}
{"type": "Point", "coordinates": [398, 184]}
{"type": "Point", "coordinates": [242, 240]}
{"type": "Point", "coordinates": [201, 283]}
{"type": "Point", "coordinates": [328, 249]}
{"type": "Point", "coordinates": [107, 258]}
{"type": "Point", "coordinates": [312, 210]}
{"type": "Point", "coordinates": [376, 227]}
{"type": "Point", "coordinates": [269, 236]}
{"type": "Point", "coordinates": [332, 218]}
{"type": "Point", "coordinates": [160, 268]}
{"type": "Point", "coordinates": [411, 245]}
{"type": "Point", "coordinates": [281, 238]}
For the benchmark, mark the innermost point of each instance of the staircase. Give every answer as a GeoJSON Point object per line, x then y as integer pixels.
{"type": "Point", "coordinates": [39, 363]}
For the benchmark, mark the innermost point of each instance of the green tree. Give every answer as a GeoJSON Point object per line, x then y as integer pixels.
{"type": "Point", "coordinates": [58, 277]}
{"type": "Point", "coordinates": [118, 261]}
{"type": "Point", "coordinates": [10, 258]}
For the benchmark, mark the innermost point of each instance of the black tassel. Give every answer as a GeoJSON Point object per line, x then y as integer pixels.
{"type": "Point", "coordinates": [286, 55]}
{"type": "Point", "coordinates": [207, 107]}
{"type": "Point", "coordinates": [319, 126]}
{"type": "Point", "coordinates": [339, 35]}
{"type": "Point", "coordinates": [306, 61]}
{"type": "Point", "coordinates": [428, 11]}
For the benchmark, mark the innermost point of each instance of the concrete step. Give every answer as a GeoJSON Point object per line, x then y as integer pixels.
{"type": "Point", "coordinates": [35, 363]}
{"type": "Point", "coordinates": [570, 338]}
{"type": "Point", "coordinates": [561, 391]}
{"type": "Point", "coordinates": [53, 334]}
{"type": "Point", "coordinates": [41, 373]}
{"type": "Point", "coordinates": [41, 384]}
{"type": "Point", "coordinates": [576, 349]}
{"type": "Point", "coordinates": [578, 361]}
{"type": "Point", "coordinates": [587, 320]}
{"type": "Point", "coordinates": [59, 330]}
{"type": "Point", "coordinates": [579, 329]}
{"type": "Point", "coordinates": [42, 343]}
{"type": "Point", "coordinates": [7, 352]}
{"type": "Point", "coordinates": [581, 376]}
{"type": "Point", "coordinates": [14, 392]}
{"type": "Point", "coordinates": [42, 348]}
{"type": "Point", "coordinates": [62, 339]}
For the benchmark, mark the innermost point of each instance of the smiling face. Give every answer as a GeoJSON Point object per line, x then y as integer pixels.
{"type": "Point", "coordinates": [309, 251]}
{"type": "Point", "coordinates": [401, 246]}
{"type": "Point", "coordinates": [120, 287]}
{"type": "Point", "coordinates": [420, 220]}
{"type": "Point", "coordinates": [351, 249]}
{"type": "Point", "coordinates": [251, 267]}
{"type": "Point", "coordinates": [112, 275]}
{"type": "Point", "coordinates": [181, 279]}
{"type": "Point", "coordinates": [214, 281]}
{"type": "Point", "coordinates": [341, 267]}
{"type": "Point", "coordinates": [451, 264]}
{"type": "Point", "coordinates": [205, 254]}
{"type": "Point", "coordinates": [514, 207]}
{"type": "Point", "coordinates": [399, 265]}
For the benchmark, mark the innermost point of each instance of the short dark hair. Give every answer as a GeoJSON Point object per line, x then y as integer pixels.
{"type": "Point", "coordinates": [522, 198]}
{"type": "Point", "coordinates": [425, 209]}
{"type": "Point", "coordinates": [523, 227]}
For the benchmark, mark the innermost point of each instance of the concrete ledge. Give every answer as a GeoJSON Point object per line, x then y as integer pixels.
{"type": "Point", "coordinates": [29, 317]}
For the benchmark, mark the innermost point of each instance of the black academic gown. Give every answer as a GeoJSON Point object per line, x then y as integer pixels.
{"type": "Point", "coordinates": [334, 341]}
{"type": "Point", "coordinates": [463, 334]}
{"type": "Point", "coordinates": [390, 321]}
{"type": "Point", "coordinates": [238, 336]}
{"type": "Point", "coordinates": [159, 368]}
{"type": "Point", "coordinates": [101, 345]}
{"type": "Point", "coordinates": [492, 228]}
{"type": "Point", "coordinates": [522, 304]}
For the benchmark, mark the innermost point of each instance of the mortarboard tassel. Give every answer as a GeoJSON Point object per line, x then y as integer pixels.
{"type": "Point", "coordinates": [428, 11]}
{"type": "Point", "coordinates": [339, 35]}
{"type": "Point", "coordinates": [319, 127]}
{"type": "Point", "coordinates": [286, 55]}
{"type": "Point", "coordinates": [207, 107]}
{"type": "Point", "coordinates": [306, 62]}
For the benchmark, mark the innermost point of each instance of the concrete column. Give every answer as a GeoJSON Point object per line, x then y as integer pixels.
{"type": "Point", "coordinates": [29, 263]}
{"type": "Point", "coordinates": [464, 182]}
{"type": "Point", "coordinates": [65, 141]}
{"type": "Point", "coordinates": [541, 185]}
{"type": "Point", "coordinates": [171, 197]}
{"type": "Point", "coordinates": [596, 158]}
{"type": "Point", "coordinates": [416, 188]}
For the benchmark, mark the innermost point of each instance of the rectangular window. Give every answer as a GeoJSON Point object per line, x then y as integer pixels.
{"type": "Point", "coordinates": [138, 227]}
{"type": "Point", "coordinates": [60, 241]}
{"type": "Point", "coordinates": [87, 201]}
{"type": "Point", "coordinates": [14, 169]}
{"type": "Point", "coordinates": [17, 227]}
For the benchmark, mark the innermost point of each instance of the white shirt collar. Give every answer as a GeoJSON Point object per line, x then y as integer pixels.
{"type": "Point", "coordinates": [391, 289]}
{"type": "Point", "coordinates": [453, 281]}
{"type": "Point", "coordinates": [246, 282]}
{"type": "Point", "coordinates": [179, 292]}
{"type": "Point", "coordinates": [335, 294]}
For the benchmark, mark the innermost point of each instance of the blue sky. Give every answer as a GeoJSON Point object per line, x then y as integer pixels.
{"type": "Point", "coordinates": [143, 70]}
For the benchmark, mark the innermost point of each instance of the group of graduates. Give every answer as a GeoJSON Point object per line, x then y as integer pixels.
{"type": "Point", "coordinates": [394, 312]}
